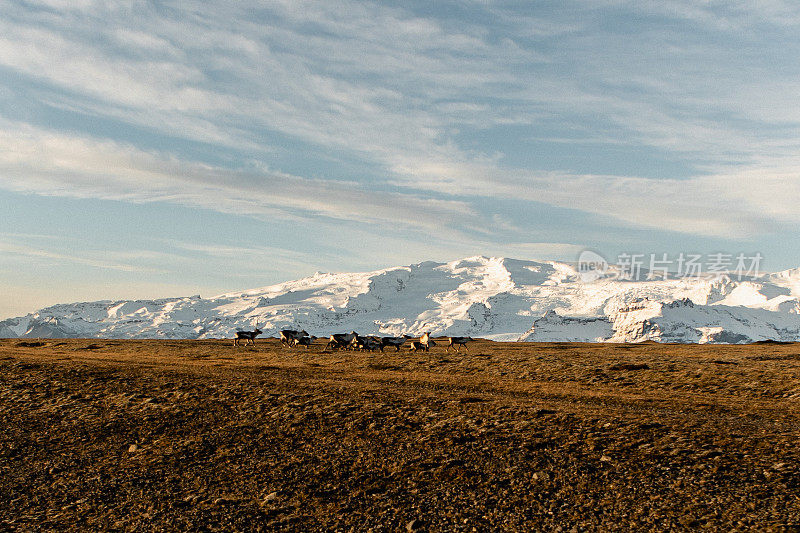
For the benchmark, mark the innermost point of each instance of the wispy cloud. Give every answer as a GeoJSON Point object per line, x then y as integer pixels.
{"type": "Point", "coordinates": [21, 250]}
{"type": "Point", "coordinates": [59, 165]}
{"type": "Point", "coordinates": [249, 259]}
{"type": "Point", "coordinates": [739, 204]}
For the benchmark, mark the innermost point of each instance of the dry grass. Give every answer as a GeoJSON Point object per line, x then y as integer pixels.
{"type": "Point", "coordinates": [187, 435]}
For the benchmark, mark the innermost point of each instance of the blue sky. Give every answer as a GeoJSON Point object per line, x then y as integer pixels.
{"type": "Point", "coordinates": [164, 149]}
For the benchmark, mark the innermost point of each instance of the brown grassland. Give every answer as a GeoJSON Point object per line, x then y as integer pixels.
{"type": "Point", "coordinates": [199, 435]}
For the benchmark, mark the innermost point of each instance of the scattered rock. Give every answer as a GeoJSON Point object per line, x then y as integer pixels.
{"type": "Point", "coordinates": [710, 454]}
{"type": "Point", "coordinates": [341, 448]}
{"type": "Point", "coordinates": [414, 525]}
{"type": "Point", "coordinates": [541, 476]}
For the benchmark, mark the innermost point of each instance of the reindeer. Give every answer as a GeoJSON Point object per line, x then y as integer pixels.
{"type": "Point", "coordinates": [426, 341]}
{"type": "Point", "coordinates": [334, 344]}
{"type": "Point", "coordinates": [418, 345]}
{"type": "Point", "coordinates": [288, 336]}
{"type": "Point", "coordinates": [458, 342]}
{"type": "Point", "coordinates": [397, 342]}
{"type": "Point", "coordinates": [248, 336]}
{"type": "Point", "coordinates": [366, 343]}
{"type": "Point", "coordinates": [341, 340]}
{"type": "Point", "coordinates": [303, 341]}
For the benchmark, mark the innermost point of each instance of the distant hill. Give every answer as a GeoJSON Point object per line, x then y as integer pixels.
{"type": "Point", "coordinates": [496, 298]}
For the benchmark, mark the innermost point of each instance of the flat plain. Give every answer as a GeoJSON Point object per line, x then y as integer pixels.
{"type": "Point", "coordinates": [198, 435]}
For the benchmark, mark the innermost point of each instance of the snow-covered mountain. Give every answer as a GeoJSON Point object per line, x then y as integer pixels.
{"type": "Point", "coordinates": [497, 298]}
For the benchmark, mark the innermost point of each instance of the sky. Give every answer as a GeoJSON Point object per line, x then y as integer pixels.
{"type": "Point", "coordinates": [159, 149]}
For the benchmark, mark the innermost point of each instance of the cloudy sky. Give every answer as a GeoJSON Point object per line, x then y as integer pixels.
{"type": "Point", "coordinates": [176, 148]}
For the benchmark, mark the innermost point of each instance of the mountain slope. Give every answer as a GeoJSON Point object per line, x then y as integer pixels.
{"type": "Point", "coordinates": [498, 298]}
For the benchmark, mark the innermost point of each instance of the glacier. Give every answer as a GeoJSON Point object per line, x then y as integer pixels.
{"type": "Point", "coordinates": [491, 297]}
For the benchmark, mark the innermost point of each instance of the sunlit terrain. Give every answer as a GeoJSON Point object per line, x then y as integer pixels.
{"type": "Point", "coordinates": [180, 435]}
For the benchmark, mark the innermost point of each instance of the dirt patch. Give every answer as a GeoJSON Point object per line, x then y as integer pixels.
{"type": "Point", "coordinates": [31, 344]}
{"type": "Point", "coordinates": [471, 399]}
{"type": "Point", "coordinates": [383, 366]}
{"type": "Point", "coordinates": [629, 366]}
{"type": "Point", "coordinates": [776, 357]}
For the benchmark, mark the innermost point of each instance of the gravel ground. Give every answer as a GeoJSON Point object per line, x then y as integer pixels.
{"type": "Point", "coordinates": [201, 436]}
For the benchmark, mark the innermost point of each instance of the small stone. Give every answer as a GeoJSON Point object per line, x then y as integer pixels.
{"type": "Point", "coordinates": [541, 476]}
{"type": "Point", "coordinates": [605, 459]}
{"type": "Point", "coordinates": [414, 525]}
{"type": "Point", "coordinates": [271, 497]}
{"type": "Point", "coordinates": [133, 448]}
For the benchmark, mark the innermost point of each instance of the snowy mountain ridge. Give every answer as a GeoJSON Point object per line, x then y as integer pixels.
{"type": "Point", "coordinates": [496, 298]}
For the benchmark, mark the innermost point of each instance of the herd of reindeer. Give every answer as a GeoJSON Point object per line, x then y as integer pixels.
{"type": "Point", "coordinates": [353, 341]}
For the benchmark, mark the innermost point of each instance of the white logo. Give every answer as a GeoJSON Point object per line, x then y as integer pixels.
{"type": "Point", "coordinates": [591, 266]}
